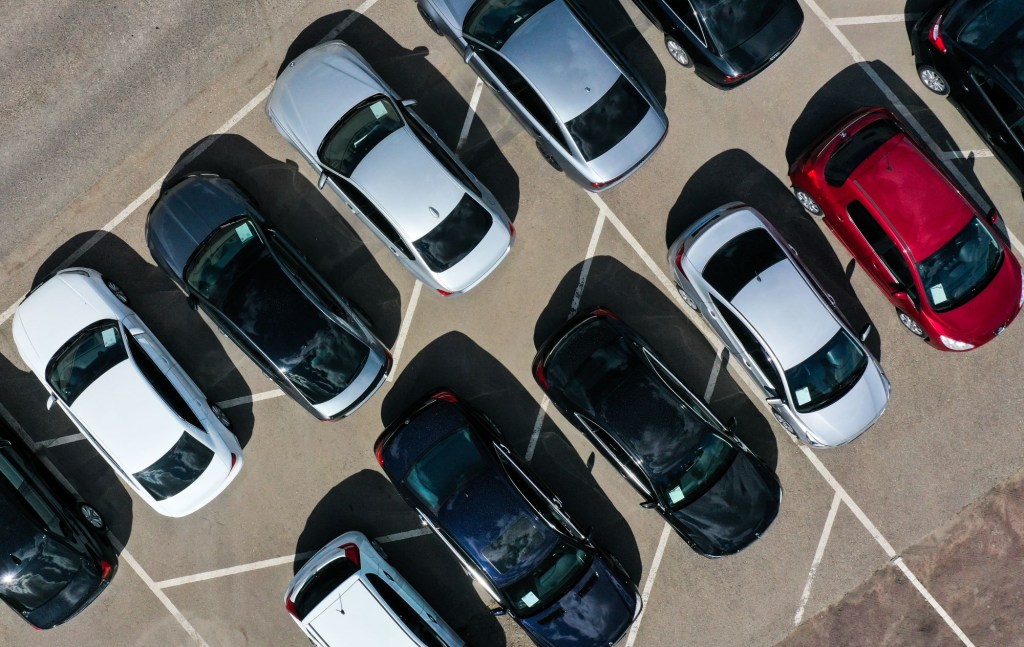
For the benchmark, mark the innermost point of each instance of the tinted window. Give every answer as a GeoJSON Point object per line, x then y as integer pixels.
{"type": "Point", "coordinates": [41, 504]}
{"type": "Point", "coordinates": [883, 245]}
{"type": "Point", "coordinates": [733, 22]}
{"type": "Point", "coordinates": [442, 470]}
{"type": "Point", "coordinates": [752, 346]}
{"type": "Point", "coordinates": [549, 581]}
{"type": "Point", "coordinates": [603, 125]}
{"type": "Point", "coordinates": [355, 135]}
{"type": "Point", "coordinates": [523, 92]}
{"type": "Point", "coordinates": [961, 268]}
{"type": "Point", "coordinates": [993, 22]}
{"type": "Point", "coordinates": [322, 583]}
{"type": "Point", "coordinates": [456, 236]}
{"type": "Point", "coordinates": [177, 469]}
{"type": "Point", "coordinates": [494, 21]}
{"type": "Point", "coordinates": [406, 614]}
{"type": "Point", "coordinates": [851, 153]}
{"type": "Point", "coordinates": [741, 260]}
{"type": "Point", "coordinates": [696, 472]}
{"type": "Point", "coordinates": [161, 384]}
{"type": "Point", "coordinates": [90, 354]}
{"type": "Point", "coordinates": [828, 374]}
{"type": "Point", "coordinates": [1011, 112]}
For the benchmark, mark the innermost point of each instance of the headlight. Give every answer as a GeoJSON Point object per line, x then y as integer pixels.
{"type": "Point", "coordinates": [953, 344]}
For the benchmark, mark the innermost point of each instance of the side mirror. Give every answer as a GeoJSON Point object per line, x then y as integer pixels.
{"type": "Point", "coordinates": [865, 331]}
{"type": "Point", "coordinates": [409, 103]}
{"type": "Point", "coordinates": [192, 303]}
{"type": "Point", "coordinates": [774, 402]}
{"type": "Point", "coordinates": [897, 289]}
{"type": "Point", "coordinates": [497, 613]}
{"type": "Point", "coordinates": [647, 505]}
{"type": "Point", "coordinates": [50, 401]}
{"type": "Point", "coordinates": [731, 424]}
{"type": "Point", "coordinates": [993, 216]}
{"type": "Point", "coordinates": [322, 181]}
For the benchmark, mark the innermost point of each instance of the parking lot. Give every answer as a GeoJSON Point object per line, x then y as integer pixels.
{"type": "Point", "coordinates": [217, 577]}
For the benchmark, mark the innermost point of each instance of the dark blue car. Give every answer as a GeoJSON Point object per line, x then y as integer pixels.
{"type": "Point", "coordinates": [449, 463]}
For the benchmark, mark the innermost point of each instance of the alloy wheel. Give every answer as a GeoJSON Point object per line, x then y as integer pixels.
{"type": "Point", "coordinates": [933, 80]}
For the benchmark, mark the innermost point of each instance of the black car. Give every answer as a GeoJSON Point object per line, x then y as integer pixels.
{"type": "Point", "coordinates": [973, 52]}
{"type": "Point", "coordinates": [661, 437]}
{"type": "Point", "coordinates": [55, 558]}
{"type": "Point", "coordinates": [727, 41]}
{"type": "Point", "coordinates": [450, 464]}
{"type": "Point", "coordinates": [208, 236]}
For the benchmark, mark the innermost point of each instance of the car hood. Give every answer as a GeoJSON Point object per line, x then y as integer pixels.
{"type": "Point", "coordinates": [976, 321]}
{"type": "Point", "coordinates": [758, 50]}
{"type": "Point", "coordinates": [852, 414]}
{"type": "Point", "coordinates": [317, 89]}
{"type": "Point", "coordinates": [735, 511]}
{"type": "Point", "coordinates": [596, 611]}
{"type": "Point", "coordinates": [61, 607]}
{"type": "Point", "coordinates": [633, 149]}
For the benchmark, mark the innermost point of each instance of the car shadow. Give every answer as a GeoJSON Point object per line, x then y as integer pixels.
{"type": "Point", "coordinates": [658, 320]}
{"type": "Point", "coordinates": [852, 89]}
{"type": "Point", "coordinates": [368, 502]}
{"type": "Point", "coordinates": [439, 104]}
{"type": "Point", "coordinates": [294, 206]}
{"type": "Point", "coordinates": [736, 176]}
{"type": "Point", "coordinates": [454, 361]}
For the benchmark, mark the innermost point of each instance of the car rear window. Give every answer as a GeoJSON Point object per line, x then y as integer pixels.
{"type": "Point", "coordinates": [855, 150]}
{"type": "Point", "coordinates": [607, 122]}
{"type": "Point", "coordinates": [177, 469]}
{"type": "Point", "coordinates": [991, 23]}
{"type": "Point", "coordinates": [456, 236]}
{"type": "Point", "coordinates": [36, 571]}
{"type": "Point", "coordinates": [444, 468]}
{"type": "Point", "coordinates": [91, 353]}
{"type": "Point", "coordinates": [328, 578]}
{"type": "Point", "coordinates": [493, 22]}
{"type": "Point", "coordinates": [733, 22]}
{"type": "Point", "coordinates": [741, 260]}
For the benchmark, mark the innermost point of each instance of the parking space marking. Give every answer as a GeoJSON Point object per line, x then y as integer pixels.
{"type": "Point", "coordinates": [649, 584]}
{"type": "Point", "coordinates": [716, 368]}
{"type": "Point", "coordinates": [474, 100]}
{"type": "Point", "coordinates": [400, 536]}
{"type": "Point", "coordinates": [57, 442]}
{"type": "Point", "coordinates": [249, 399]}
{"type": "Point", "coordinates": [962, 155]}
{"type": "Point", "coordinates": [535, 436]}
{"type": "Point", "coordinates": [403, 332]}
{"type": "Point", "coordinates": [818, 554]}
{"type": "Point", "coordinates": [874, 20]}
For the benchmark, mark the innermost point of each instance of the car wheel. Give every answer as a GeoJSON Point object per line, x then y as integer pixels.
{"type": "Point", "coordinates": [222, 417]}
{"type": "Point", "coordinates": [676, 51]}
{"type": "Point", "coordinates": [380, 549]}
{"type": "Point", "coordinates": [549, 158]}
{"type": "Point", "coordinates": [91, 516]}
{"type": "Point", "coordinates": [807, 202]}
{"type": "Point", "coordinates": [116, 290]}
{"type": "Point", "coordinates": [427, 19]}
{"type": "Point", "coordinates": [933, 80]}
{"type": "Point", "coordinates": [909, 323]}
{"type": "Point", "coordinates": [783, 423]}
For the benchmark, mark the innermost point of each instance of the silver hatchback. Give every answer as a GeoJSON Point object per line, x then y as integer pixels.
{"type": "Point", "coordinates": [820, 381]}
{"type": "Point", "coordinates": [591, 114]}
{"type": "Point", "coordinates": [390, 168]}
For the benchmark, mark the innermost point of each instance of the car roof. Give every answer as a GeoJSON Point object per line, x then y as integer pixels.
{"type": "Point", "coordinates": [365, 620]}
{"type": "Point", "coordinates": [405, 181]}
{"type": "Point", "coordinates": [562, 60]}
{"type": "Point", "coordinates": [921, 204]}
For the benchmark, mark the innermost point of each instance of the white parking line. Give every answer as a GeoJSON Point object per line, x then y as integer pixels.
{"type": "Point", "coordinates": [874, 20]}
{"type": "Point", "coordinates": [960, 155]}
{"type": "Point", "coordinates": [249, 399]}
{"type": "Point", "coordinates": [57, 442]}
{"type": "Point", "coordinates": [535, 436]}
{"type": "Point", "coordinates": [403, 332]}
{"type": "Point", "coordinates": [818, 554]}
{"type": "Point", "coordinates": [474, 100]}
{"type": "Point", "coordinates": [649, 584]}
{"type": "Point", "coordinates": [716, 368]}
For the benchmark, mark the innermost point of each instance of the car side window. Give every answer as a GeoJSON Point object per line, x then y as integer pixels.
{"type": "Point", "coordinates": [163, 386]}
{"type": "Point", "coordinates": [370, 211]}
{"type": "Point", "coordinates": [752, 346]}
{"type": "Point", "coordinates": [1011, 112]}
{"type": "Point", "coordinates": [36, 500]}
{"type": "Point", "coordinates": [883, 245]}
{"type": "Point", "coordinates": [522, 91]}
{"type": "Point", "coordinates": [405, 612]}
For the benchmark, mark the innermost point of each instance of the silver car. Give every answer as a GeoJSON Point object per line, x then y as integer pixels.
{"type": "Point", "coordinates": [548, 63]}
{"type": "Point", "coordinates": [390, 168]}
{"type": "Point", "coordinates": [821, 383]}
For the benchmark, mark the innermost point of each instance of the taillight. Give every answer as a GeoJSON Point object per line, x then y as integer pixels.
{"type": "Point", "coordinates": [604, 312]}
{"type": "Point", "coordinates": [511, 230]}
{"type": "Point", "coordinates": [351, 553]}
{"type": "Point", "coordinates": [733, 78]}
{"type": "Point", "coordinates": [538, 372]}
{"type": "Point", "coordinates": [444, 293]}
{"type": "Point", "coordinates": [446, 396]}
{"type": "Point", "coordinates": [598, 185]}
{"type": "Point", "coordinates": [378, 451]}
{"type": "Point", "coordinates": [105, 569]}
{"type": "Point", "coordinates": [993, 217]}
{"type": "Point", "coordinates": [935, 34]}
{"type": "Point", "coordinates": [289, 606]}
{"type": "Point", "coordinates": [234, 459]}
{"type": "Point", "coordinates": [679, 257]}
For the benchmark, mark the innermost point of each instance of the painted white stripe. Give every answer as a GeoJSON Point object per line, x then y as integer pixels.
{"type": "Point", "coordinates": [57, 442]}
{"type": "Point", "coordinates": [474, 100]}
{"type": "Point", "coordinates": [874, 20]}
{"type": "Point", "coordinates": [649, 584]}
{"type": "Point", "coordinates": [249, 399]}
{"type": "Point", "coordinates": [932, 601]}
{"type": "Point", "coordinates": [535, 436]}
{"type": "Point", "coordinates": [401, 536]}
{"type": "Point", "coordinates": [715, 370]}
{"type": "Point", "coordinates": [961, 155]}
{"type": "Point", "coordinates": [818, 554]}
{"type": "Point", "coordinates": [403, 332]}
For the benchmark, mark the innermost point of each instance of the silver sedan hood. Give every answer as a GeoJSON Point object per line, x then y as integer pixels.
{"type": "Point", "coordinates": [851, 415]}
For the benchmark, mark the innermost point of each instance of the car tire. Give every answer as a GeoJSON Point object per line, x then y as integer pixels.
{"type": "Point", "coordinates": [933, 80]}
{"type": "Point", "coordinates": [677, 52]}
{"type": "Point", "coordinates": [116, 290]}
{"type": "Point", "coordinates": [222, 417]}
{"type": "Point", "coordinates": [91, 516]}
{"type": "Point", "coordinates": [549, 158]}
{"type": "Point", "coordinates": [909, 323]}
{"type": "Point", "coordinates": [808, 203]}
{"type": "Point", "coordinates": [427, 19]}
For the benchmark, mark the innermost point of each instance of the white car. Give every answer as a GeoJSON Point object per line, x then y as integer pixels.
{"type": "Point", "coordinates": [347, 594]}
{"type": "Point", "coordinates": [125, 392]}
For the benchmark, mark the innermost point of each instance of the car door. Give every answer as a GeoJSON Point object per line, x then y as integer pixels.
{"type": "Point", "coordinates": [883, 258]}
{"type": "Point", "coordinates": [1004, 127]}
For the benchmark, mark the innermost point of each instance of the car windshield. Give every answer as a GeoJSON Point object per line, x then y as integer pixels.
{"type": "Point", "coordinates": [456, 236]}
{"type": "Point", "coordinates": [355, 135]}
{"type": "Point", "coordinates": [600, 127]}
{"type": "Point", "coordinates": [697, 472]}
{"type": "Point", "coordinates": [961, 268]}
{"type": "Point", "coordinates": [91, 353]}
{"type": "Point", "coordinates": [825, 376]}
{"type": "Point", "coordinates": [733, 22]}
{"type": "Point", "coordinates": [493, 22]}
{"type": "Point", "coordinates": [177, 469]}
{"type": "Point", "coordinates": [442, 470]}
{"type": "Point", "coordinates": [549, 581]}
{"type": "Point", "coordinates": [236, 273]}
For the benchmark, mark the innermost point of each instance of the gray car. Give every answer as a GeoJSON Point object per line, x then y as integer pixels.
{"type": "Point", "coordinates": [820, 381]}
{"type": "Point", "coordinates": [390, 168]}
{"type": "Point", "coordinates": [591, 114]}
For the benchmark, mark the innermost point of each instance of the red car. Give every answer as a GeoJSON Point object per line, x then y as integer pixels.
{"type": "Point", "coordinates": [941, 261]}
